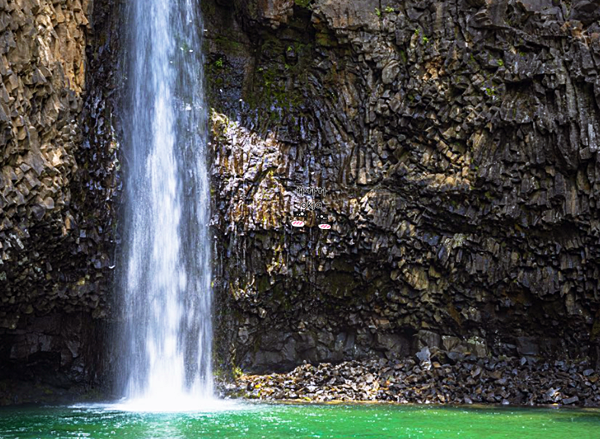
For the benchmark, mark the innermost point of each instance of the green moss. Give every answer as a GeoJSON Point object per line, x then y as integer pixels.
{"type": "Point", "coordinates": [208, 9]}
{"type": "Point", "coordinates": [303, 3]}
{"type": "Point", "coordinates": [93, 394]}
{"type": "Point", "coordinates": [276, 90]}
{"type": "Point", "coordinates": [490, 91]}
{"type": "Point", "coordinates": [403, 56]}
{"type": "Point", "coordinates": [325, 39]}
{"type": "Point", "coordinates": [341, 284]}
{"type": "Point", "coordinates": [263, 284]}
{"type": "Point", "coordinates": [228, 45]}
{"type": "Point", "coordinates": [341, 265]}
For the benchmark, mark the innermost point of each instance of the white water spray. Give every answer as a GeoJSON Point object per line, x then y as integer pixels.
{"type": "Point", "coordinates": [165, 282]}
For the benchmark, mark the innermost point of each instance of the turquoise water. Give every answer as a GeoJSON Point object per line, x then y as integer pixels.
{"type": "Point", "coordinates": [253, 421]}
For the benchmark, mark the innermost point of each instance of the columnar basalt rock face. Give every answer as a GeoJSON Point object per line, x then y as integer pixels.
{"type": "Point", "coordinates": [457, 143]}
{"type": "Point", "coordinates": [454, 143]}
{"type": "Point", "coordinates": [57, 177]}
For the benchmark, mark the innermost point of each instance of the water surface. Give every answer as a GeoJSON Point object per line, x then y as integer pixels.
{"type": "Point", "coordinates": [254, 421]}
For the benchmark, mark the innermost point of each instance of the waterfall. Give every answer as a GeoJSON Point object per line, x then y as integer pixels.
{"type": "Point", "coordinates": [165, 281]}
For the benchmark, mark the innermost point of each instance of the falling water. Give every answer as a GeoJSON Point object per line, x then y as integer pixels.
{"type": "Point", "coordinates": [165, 347]}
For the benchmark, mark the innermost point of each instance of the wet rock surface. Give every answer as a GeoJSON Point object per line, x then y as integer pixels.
{"type": "Point", "coordinates": [50, 359]}
{"type": "Point", "coordinates": [471, 381]}
{"type": "Point", "coordinates": [457, 146]}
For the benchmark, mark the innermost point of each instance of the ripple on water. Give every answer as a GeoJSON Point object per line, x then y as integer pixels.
{"type": "Point", "coordinates": [239, 420]}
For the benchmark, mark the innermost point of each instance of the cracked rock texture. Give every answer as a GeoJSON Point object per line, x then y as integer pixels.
{"type": "Point", "coordinates": [452, 146]}
{"type": "Point", "coordinates": [457, 145]}
{"type": "Point", "coordinates": [57, 162]}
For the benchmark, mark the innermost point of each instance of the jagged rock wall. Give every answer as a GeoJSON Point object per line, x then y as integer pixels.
{"type": "Point", "coordinates": [455, 142]}
{"type": "Point", "coordinates": [457, 145]}
{"type": "Point", "coordinates": [57, 163]}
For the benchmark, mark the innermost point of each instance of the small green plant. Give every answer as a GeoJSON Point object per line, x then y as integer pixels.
{"type": "Point", "coordinates": [500, 62]}
{"type": "Point", "coordinates": [490, 91]}
{"type": "Point", "coordinates": [290, 48]}
{"type": "Point", "coordinates": [389, 9]}
{"type": "Point", "coordinates": [417, 31]}
{"type": "Point", "coordinates": [237, 372]}
{"type": "Point", "coordinates": [219, 63]}
{"type": "Point", "coordinates": [377, 12]}
{"type": "Point", "coordinates": [425, 39]}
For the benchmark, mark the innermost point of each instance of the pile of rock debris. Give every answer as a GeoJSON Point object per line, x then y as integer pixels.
{"type": "Point", "coordinates": [504, 381]}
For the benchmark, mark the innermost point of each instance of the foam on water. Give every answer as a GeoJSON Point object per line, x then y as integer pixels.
{"type": "Point", "coordinates": [186, 405]}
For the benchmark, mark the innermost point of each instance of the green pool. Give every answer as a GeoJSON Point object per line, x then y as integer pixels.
{"type": "Point", "coordinates": [253, 421]}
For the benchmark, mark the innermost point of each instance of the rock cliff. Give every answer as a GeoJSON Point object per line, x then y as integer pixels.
{"type": "Point", "coordinates": [452, 146]}
{"type": "Point", "coordinates": [56, 181]}
{"type": "Point", "coordinates": [456, 145]}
